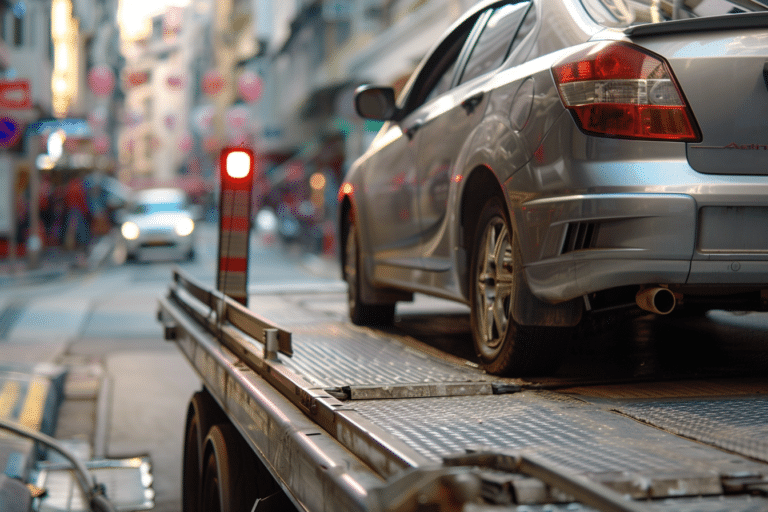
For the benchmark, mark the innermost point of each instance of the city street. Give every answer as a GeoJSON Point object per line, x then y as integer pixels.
{"type": "Point", "coordinates": [383, 256]}
{"type": "Point", "coordinates": [127, 390]}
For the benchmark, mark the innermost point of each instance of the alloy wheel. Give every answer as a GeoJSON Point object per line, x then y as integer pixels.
{"type": "Point", "coordinates": [494, 286]}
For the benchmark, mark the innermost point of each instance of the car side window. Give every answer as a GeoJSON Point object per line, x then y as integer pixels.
{"type": "Point", "coordinates": [436, 77]}
{"type": "Point", "coordinates": [495, 41]}
{"type": "Point", "coordinates": [526, 27]}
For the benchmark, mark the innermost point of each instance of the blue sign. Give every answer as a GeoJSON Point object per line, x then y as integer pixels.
{"type": "Point", "coordinates": [10, 131]}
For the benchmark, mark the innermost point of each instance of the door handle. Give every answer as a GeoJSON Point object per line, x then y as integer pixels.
{"type": "Point", "coordinates": [471, 103]}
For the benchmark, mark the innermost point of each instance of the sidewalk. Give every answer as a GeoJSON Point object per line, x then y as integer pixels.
{"type": "Point", "coordinates": [55, 263]}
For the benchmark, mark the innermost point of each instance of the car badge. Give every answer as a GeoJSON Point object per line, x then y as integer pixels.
{"type": "Point", "coordinates": [765, 74]}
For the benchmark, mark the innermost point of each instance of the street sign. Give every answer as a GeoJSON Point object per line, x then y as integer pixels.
{"type": "Point", "coordinates": [15, 95]}
{"type": "Point", "coordinates": [10, 132]}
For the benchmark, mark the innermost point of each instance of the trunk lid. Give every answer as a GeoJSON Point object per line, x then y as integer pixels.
{"type": "Point", "coordinates": [721, 65]}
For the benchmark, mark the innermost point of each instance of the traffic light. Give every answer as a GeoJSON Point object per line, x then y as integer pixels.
{"type": "Point", "coordinates": [236, 167]}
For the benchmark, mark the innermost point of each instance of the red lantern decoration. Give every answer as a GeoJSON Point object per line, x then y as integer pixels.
{"type": "Point", "coordinates": [213, 82]}
{"type": "Point", "coordinates": [249, 85]}
{"type": "Point", "coordinates": [175, 81]}
{"type": "Point", "coordinates": [101, 80]}
{"type": "Point", "coordinates": [135, 78]}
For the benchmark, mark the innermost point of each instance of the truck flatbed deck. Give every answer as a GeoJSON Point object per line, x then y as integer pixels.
{"type": "Point", "coordinates": [351, 418]}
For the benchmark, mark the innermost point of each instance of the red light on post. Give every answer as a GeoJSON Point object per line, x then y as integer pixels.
{"type": "Point", "coordinates": [236, 167]}
{"type": "Point", "coordinates": [237, 163]}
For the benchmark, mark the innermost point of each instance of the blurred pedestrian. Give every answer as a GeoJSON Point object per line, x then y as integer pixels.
{"type": "Point", "coordinates": [97, 205]}
{"type": "Point", "coordinates": [45, 203]}
{"type": "Point", "coordinates": [22, 208]}
{"type": "Point", "coordinates": [58, 212]}
{"type": "Point", "coordinates": [77, 235]}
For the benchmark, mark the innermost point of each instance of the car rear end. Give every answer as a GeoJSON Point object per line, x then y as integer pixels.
{"type": "Point", "coordinates": [161, 226]}
{"type": "Point", "coordinates": [666, 157]}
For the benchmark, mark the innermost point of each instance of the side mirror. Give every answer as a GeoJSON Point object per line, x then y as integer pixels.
{"type": "Point", "coordinates": [373, 102]}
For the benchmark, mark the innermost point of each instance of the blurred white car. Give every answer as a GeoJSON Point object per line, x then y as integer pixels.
{"type": "Point", "coordinates": [160, 224]}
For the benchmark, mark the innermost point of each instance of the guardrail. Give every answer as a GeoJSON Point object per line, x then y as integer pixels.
{"type": "Point", "coordinates": [227, 311]}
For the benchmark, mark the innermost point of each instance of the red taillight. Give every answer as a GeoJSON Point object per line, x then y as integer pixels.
{"type": "Point", "coordinates": [620, 90]}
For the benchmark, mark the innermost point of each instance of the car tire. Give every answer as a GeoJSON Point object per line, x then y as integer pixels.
{"type": "Point", "coordinates": [361, 312]}
{"type": "Point", "coordinates": [502, 345]}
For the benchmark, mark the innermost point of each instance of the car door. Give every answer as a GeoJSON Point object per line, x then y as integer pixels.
{"type": "Point", "coordinates": [391, 183]}
{"type": "Point", "coordinates": [389, 206]}
{"type": "Point", "coordinates": [451, 120]}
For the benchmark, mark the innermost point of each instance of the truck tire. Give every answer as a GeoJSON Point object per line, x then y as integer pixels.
{"type": "Point", "coordinates": [202, 414]}
{"type": "Point", "coordinates": [228, 483]}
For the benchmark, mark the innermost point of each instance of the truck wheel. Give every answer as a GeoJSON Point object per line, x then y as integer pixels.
{"type": "Point", "coordinates": [228, 479]}
{"type": "Point", "coordinates": [202, 414]}
{"type": "Point", "coordinates": [504, 346]}
{"type": "Point", "coordinates": [360, 312]}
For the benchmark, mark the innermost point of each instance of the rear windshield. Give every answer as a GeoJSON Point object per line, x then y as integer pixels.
{"type": "Point", "coordinates": [625, 13]}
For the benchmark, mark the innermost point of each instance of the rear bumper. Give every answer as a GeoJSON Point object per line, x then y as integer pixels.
{"type": "Point", "coordinates": [172, 247]}
{"type": "Point", "coordinates": [582, 244]}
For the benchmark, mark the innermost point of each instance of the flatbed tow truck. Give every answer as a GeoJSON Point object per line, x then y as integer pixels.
{"type": "Point", "coordinates": [302, 410]}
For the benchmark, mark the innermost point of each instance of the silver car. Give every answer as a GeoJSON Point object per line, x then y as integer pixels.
{"type": "Point", "coordinates": [549, 159]}
{"type": "Point", "coordinates": [160, 224]}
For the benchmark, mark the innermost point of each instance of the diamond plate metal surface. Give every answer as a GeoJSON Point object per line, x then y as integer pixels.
{"type": "Point", "coordinates": [582, 440]}
{"type": "Point", "coordinates": [369, 358]}
{"type": "Point", "coordinates": [673, 389]}
{"type": "Point", "coordinates": [576, 437]}
{"type": "Point", "coordinates": [736, 424]}
{"type": "Point", "coordinates": [708, 504]}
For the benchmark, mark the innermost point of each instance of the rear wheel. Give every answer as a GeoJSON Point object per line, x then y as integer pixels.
{"type": "Point", "coordinates": [203, 413]}
{"type": "Point", "coordinates": [504, 346]}
{"type": "Point", "coordinates": [360, 312]}
{"type": "Point", "coordinates": [229, 483]}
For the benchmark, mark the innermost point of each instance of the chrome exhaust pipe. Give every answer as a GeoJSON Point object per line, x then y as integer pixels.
{"type": "Point", "coordinates": [656, 300]}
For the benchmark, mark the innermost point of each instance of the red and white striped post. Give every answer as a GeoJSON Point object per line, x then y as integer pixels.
{"type": "Point", "coordinates": [236, 171]}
